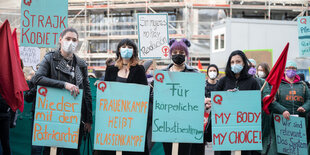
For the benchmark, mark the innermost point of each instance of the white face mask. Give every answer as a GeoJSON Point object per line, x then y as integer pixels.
{"type": "Point", "coordinates": [69, 46]}
{"type": "Point", "coordinates": [261, 74]}
{"type": "Point", "coordinates": [212, 75]}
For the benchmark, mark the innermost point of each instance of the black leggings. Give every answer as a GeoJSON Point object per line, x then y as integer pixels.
{"type": "Point", "coordinates": [4, 135]}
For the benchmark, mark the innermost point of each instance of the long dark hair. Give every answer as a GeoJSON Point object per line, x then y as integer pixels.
{"type": "Point", "coordinates": [133, 60]}
{"type": "Point", "coordinates": [245, 69]}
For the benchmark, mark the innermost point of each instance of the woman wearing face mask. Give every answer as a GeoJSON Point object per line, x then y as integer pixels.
{"type": "Point", "coordinates": [263, 70]}
{"type": "Point", "coordinates": [65, 70]}
{"type": "Point", "coordinates": [293, 96]}
{"type": "Point", "coordinates": [179, 53]}
{"type": "Point", "coordinates": [237, 78]}
{"type": "Point", "coordinates": [126, 70]}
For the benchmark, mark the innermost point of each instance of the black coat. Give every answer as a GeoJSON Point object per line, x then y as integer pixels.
{"type": "Point", "coordinates": [136, 74]}
{"type": "Point", "coordinates": [246, 82]}
{"type": "Point", "coordinates": [53, 72]}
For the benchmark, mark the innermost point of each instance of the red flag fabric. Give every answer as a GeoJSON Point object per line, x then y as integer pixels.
{"type": "Point", "coordinates": [199, 65]}
{"type": "Point", "coordinates": [12, 80]}
{"type": "Point", "coordinates": [14, 36]}
{"type": "Point", "coordinates": [274, 78]}
{"type": "Point", "coordinates": [205, 120]}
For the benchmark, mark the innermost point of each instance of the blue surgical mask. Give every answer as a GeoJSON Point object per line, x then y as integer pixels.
{"type": "Point", "coordinates": [126, 53]}
{"type": "Point", "coordinates": [237, 68]}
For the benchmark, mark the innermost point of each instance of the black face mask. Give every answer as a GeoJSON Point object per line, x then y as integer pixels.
{"type": "Point", "coordinates": [178, 59]}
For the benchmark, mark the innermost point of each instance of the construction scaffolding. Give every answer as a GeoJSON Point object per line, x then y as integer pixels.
{"type": "Point", "coordinates": [103, 23]}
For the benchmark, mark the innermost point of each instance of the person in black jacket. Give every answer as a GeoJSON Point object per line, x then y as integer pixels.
{"type": "Point", "coordinates": [237, 78]}
{"type": "Point", "coordinates": [213, 73]}
{"type": "Point", "coordinates": [179, 53]}
{"type": "Point", "coordinates": [127, 70]}
{"type": "Point", "coordinates": [65, 70]}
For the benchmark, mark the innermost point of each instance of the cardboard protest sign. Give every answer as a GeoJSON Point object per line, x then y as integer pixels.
{"type": "Point", "coordinates": [57, 118]}
{"type": "Point", "coordinates": [42, 21]}
{"type": "Point", "coordinates": [291, 135]}
{"type": "Point", "coordinates": [30, 56]}
{"type": "Point", "coordinates": [236, 120]}
{"type": "Point", "coordinates": [178, 107]}
{"type": "Point", "coordinates": [153, 36]}
{"type": "Point", "coordinates": [121, 116]}
{"type": "Point", "coordinates": [304, 36]}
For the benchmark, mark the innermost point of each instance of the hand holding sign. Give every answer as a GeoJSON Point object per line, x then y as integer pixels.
{"type": "Point", "coordinates": [286, 115]}
{"type": "Point", "coordinates": [301, 109]}
{"type": "Point", "coordinates": [72, 88]}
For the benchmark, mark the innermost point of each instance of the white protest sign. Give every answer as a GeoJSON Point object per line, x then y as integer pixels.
{"type": "Point", "coordinates": [30, 56]}
{"type": "Point", "coordinates": [153, 36]}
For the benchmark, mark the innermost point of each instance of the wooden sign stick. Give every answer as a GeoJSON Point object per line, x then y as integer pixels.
{"type": "Point", "coordinates": [53, 151]}
{"type": "Point", "coordinates": [237, 152]}
{"type": "Point", "coordinates": [175, 148]}
{"type": "Point", "coordinates": [118, 152]}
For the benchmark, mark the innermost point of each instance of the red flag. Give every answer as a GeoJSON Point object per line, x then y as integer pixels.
{"type": "Point", "coordinates": [274, 78]}
{"type": "Point", "coordinates": [12, 80]}
{"type": "Point", "coordinates": [199, 65]}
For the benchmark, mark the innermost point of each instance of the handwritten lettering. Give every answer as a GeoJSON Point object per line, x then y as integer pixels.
{"type": "Point", "coordinates": [175, 107]}
{"type": "Point", "coordinates": [119, 105]}
{"type": "Point", "coordinates": [174, 127]}
{"type": "Point", "coordinates": [40, 134]}
{"type": "Point", "coordinates": [119, 139]}
{"type": "Point", "coordinates": [61, 106]}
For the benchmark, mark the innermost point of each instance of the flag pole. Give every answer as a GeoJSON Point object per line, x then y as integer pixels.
{"type": "Point", "coordinates": [261, 89]}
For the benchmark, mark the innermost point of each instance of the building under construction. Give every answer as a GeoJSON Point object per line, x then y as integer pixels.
{"type": "Point", "coordinates": [103, 23]}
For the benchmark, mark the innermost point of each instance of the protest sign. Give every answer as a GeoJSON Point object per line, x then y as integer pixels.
{"type": "Point", "coordinates": [30, 56]}
{"type": "Point", "coordinates": [57, 118]}
{"type": "Point", "coordinates": [178, 107]}
{"type": "Point", "coordinates": [236, 120]}
{"type": "Point", "coordinates": [291, 135]}
{"type": "Point", "coordinates": [304, 36]}
{"type": "Point", "coordinates": [153, 36]}
{"type": "Point", "coordinates": [121, 116]}
{"type": "Point", "coordinates": [42, 22]}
